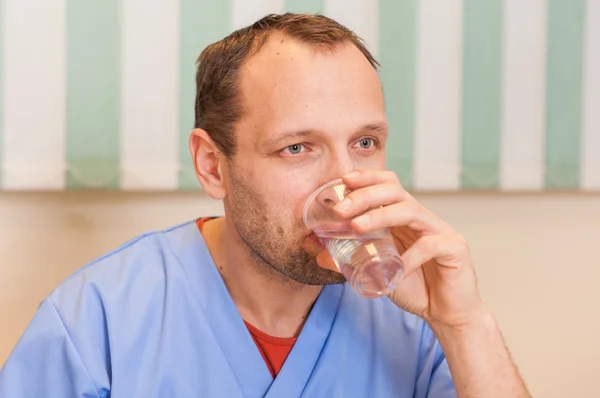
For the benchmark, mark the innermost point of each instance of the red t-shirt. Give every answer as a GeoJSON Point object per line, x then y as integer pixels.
{"type": "Point", "coordinates": [274, 350]}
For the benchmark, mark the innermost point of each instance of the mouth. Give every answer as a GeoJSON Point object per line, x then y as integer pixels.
{"type": "Point", "coordinates": [313, 238]}
{"type": "Point", "coordinates": [313, 243]}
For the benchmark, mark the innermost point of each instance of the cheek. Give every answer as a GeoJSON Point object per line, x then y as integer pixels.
{"type": "Point", "coordinates": [290, 215]}
{"type": "Point", "coordinates": [373, 162]}
{"type": "Point", "coordinates": [288, 192]}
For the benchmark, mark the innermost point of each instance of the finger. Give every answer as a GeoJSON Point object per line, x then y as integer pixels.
{"type": "Point", "coordinates": [369, 197]}
{"type": "Point", "coordinates": [362, 178]}
{"type": "Point", "coordinates": [325, 261]}
{"type": "Point", "coordinates": [369, 177]}
{"type": "Point", "coordinates": [448, 250]}
{"type": "Point", "coordinates": [403, 214]}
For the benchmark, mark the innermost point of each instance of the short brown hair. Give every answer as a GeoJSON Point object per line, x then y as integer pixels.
{"type": "Point", "coordinates": [218, 104]}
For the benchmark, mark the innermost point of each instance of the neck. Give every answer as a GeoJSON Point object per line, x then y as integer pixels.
{"type": "Point", "coordinates": [265, 298]}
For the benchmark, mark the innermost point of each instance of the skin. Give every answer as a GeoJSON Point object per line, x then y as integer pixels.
{"type": "Point", "coordinates": [311, 116]}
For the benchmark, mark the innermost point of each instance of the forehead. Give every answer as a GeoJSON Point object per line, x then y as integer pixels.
{"type": "Point", "coordinates": [291, 85]}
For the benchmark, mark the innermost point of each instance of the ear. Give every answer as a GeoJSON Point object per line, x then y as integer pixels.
{"type": "Point", "coordinates": [207, 161]}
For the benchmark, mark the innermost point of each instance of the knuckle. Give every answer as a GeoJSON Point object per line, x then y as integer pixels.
{"type": "Point", "coordinates": [391, 176]}
{"type": "Point", "coordinates": [395, 191]}
{"type": "Point", "coordinates": [462, 243]}
{"type": "Point", "coordinates": [427, 243]}
{"type": "Point", "coordinates": [416, 210]}
{"type": "Point", "coordinates": [410, 206]}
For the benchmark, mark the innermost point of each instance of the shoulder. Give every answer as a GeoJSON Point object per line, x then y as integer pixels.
{"type": "Point", "coordinates": [97, 320]}
{"type": "Point", "coordinates": [135, 269]}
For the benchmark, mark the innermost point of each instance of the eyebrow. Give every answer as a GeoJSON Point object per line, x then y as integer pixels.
{"type": "Point", "coordinates": [286, 137]}
{"type": "Point", "coordinates": [378, 128]}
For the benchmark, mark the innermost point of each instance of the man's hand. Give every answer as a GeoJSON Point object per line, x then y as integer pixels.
{"type": "Point", "coordinates": [438, 283]}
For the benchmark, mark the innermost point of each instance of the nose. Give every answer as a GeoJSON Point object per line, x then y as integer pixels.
{"type": "Point", "coordinates": [330, 197]}
{"type": "Point", "coordinates": [339, 164]}
{"type": "Point", "coordinates": [334, 166]}
{"type": "Point", "coordinates": [320, 215]}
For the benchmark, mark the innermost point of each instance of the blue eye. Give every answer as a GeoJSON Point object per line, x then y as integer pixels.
{"type": "Point", "coordinates": [366, 143]}
{"type": "Point", "coordinates": [294, 149]}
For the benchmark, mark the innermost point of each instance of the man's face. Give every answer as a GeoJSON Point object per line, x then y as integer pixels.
{"type": "Point", "coordinates": [309, 117]}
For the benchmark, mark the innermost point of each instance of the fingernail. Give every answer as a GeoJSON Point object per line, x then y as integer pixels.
{"type": "Point", "coordinates": [344, 205]}
{"type": "Point", "coordinates": [351, 174]}
{"type": "Point", "coordinates": [362, 221]}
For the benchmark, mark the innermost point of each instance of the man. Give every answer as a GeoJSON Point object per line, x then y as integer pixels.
{"type": "Point", "coordinates": [249, 305]}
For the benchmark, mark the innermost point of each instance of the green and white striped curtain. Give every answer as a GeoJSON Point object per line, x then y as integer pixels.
{"type": "Point", "coordinates": [481, 94]}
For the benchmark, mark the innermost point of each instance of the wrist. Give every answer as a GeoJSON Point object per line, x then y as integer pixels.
{"type": "Point", "coordinates": [475, 323]}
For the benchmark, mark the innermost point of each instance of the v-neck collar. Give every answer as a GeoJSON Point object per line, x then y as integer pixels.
{"type": "Point", "coordinates": [303, 358]}
{"type": "Point", "coordinates": [232, 335]}
{"type": "Point", "coordinates": [230, 332]}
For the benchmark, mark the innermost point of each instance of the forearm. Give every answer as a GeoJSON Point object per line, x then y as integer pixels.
{"type": "Point", "coordinates": [479, 361]}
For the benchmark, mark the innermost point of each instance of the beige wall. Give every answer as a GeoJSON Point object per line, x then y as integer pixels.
{"type": "Point", "coordinates": [537, 259]}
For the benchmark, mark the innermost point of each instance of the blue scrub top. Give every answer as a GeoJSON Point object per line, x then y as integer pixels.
{"type": "Point", "coordinates": [154, 319]}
